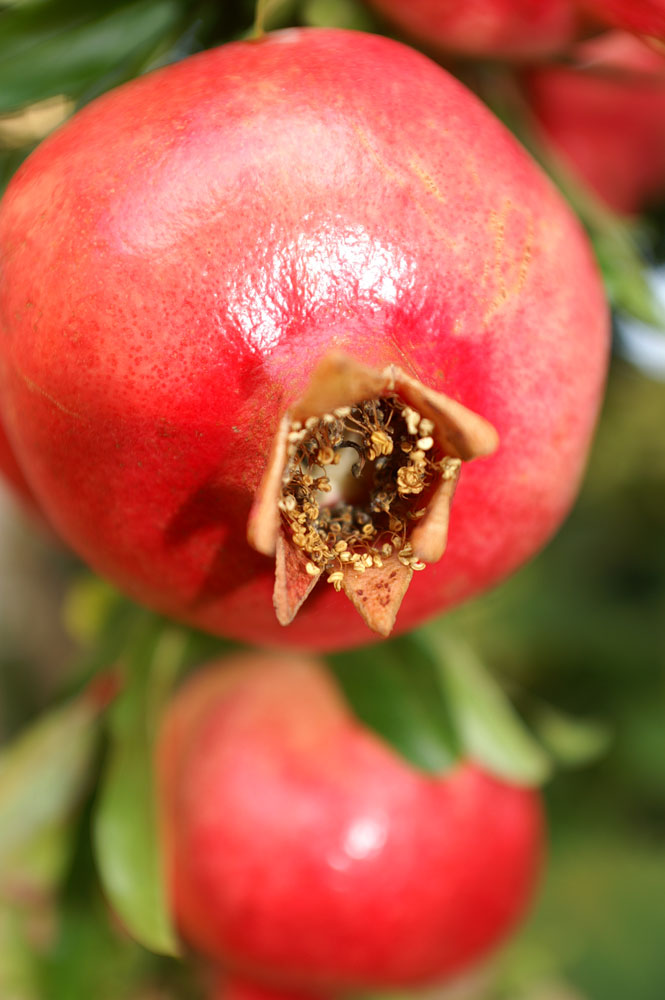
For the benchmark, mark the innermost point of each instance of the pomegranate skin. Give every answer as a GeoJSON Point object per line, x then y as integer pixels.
{"type": "Point", "coordinates": [644, 17]}
{"type": "Point", "coordinates": [607, 118]}
{"type": "Point", "coordinates": [177, 259]}
{"type": "Point", "coordinates": [302, 851]}
{"type": "Point", "coordinates": [504, 29]}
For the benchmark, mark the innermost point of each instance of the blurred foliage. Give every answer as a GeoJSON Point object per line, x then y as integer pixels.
{"type": "Point", "coordinates": [562, 664]}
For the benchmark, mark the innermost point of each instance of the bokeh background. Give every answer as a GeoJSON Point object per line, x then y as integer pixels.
{"type": "Point", "coordinates": [576, 639]}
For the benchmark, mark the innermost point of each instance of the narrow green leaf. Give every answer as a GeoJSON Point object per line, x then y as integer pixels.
{"type": "Point", "coordinates": [126, 836]}
{"type": "Point", "coordinates": [491, 731]}
{"type": "Point", "coordinates": [71, 45]}
{"type": "Point", "coordinates": [44, 772]}
{"type": "Point", "coordinates": [394, 689]}
{"type": "Point", "coordinates": [572, 742]}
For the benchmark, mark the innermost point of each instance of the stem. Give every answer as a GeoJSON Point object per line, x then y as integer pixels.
{"type": "Point", "coordinates": [258, 31]}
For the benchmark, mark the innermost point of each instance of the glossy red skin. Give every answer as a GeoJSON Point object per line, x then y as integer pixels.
{"type": "Point", "coordinates": [607, 119]}
{"type": "Point", "coordinates": [177, 259]}
{"type": "Point", "coordinates": [504, 29]}
{"type": "Point", "coordinates": [303, 851]}
{"type": "Point", "coordinates": [644, 17]}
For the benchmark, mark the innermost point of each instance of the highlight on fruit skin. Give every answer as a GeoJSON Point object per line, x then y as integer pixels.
{"type": "Point", "coordinates": [180, 257]}
{"type": "Point", "coordinates": [501, 29]}
{"type": "Point", "coordinates": [303, 853]}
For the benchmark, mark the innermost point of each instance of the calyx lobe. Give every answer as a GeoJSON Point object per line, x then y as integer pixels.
{"type": "Point", "coordinates": [370, 525]}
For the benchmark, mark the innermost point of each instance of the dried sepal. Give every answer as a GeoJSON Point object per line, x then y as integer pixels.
{"type": "Point", "coordinates": [377, 596]}
{"type": "Point", "coordinates": [407, 444]}
{"type": "Point", "coordinates": [293, 582]}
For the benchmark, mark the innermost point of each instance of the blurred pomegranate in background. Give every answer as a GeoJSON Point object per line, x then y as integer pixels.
{"type": "Point", "coordinates": [180, 256]}
{"type": "Point", "coordinates": [502, 29]}
{"type": "Point", "coordinates": [644, 17]}
{"type": "Point", "coordinates": [605, 117]}
{"type": "Point", "coordinates": [305, 853]}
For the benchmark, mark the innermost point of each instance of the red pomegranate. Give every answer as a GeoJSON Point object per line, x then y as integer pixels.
{"type": "Point", "coordinates": [180, 260]}
{"type": "Point", "coordinates": [605, 116]}
{"type": "Point", "coordinates": [503, 29]}
{"type": "Point", "coordinates": [644, 17]}
{"type": "Point", "coordinates": [303, 852]}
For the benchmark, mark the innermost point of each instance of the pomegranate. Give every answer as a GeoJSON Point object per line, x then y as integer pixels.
{"type": "Point", "coordinates": [644, 17]}
{"type": "Point", "coordinates": [605, 117]}
{"type": "Point", "coordinates": [323, 241]}
{"type": "Point", "coordinates": [504, 29]}
{"type": "Point", "coordinates": [304, 853]}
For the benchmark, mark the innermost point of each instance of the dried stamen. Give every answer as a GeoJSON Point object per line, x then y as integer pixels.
{"type": "Point", "coordinates": [397, 460]}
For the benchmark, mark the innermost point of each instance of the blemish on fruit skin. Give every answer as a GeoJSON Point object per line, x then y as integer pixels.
{"type": "Point", "coordinates": [374, 156]}
{"type": "Point", "coordinates": [33, 387]}
{"type": "Point", "coordinates": [428, 181]}
{"type": "Point", "coordinates": [509, 274]}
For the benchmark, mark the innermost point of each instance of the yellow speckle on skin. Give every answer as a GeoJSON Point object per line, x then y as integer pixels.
{"type": "Point", "coordinates": [427, 180]}
{"type": "Point", "coordinates": [509, 274]}
{"type": "Point", "coordinates": [33, 387]}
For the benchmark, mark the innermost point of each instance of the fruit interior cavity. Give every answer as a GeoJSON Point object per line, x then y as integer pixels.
{"type": "Point", "coordinates": [357, 513]}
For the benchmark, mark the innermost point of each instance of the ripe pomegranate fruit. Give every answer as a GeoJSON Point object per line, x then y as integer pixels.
{"type": "Point", "coordinates": [504, 29]}
{"type": "Point", "coordinates": [605, 116]}
{"type": "Point", "coordinates": [644, 17]}
{"type": "Point", "coordinates": [180, 260]}
{"type": "Point", "coordinates": [302, 851]}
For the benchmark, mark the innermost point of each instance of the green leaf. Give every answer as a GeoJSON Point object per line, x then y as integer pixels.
{"type": "Point", "coordinates": [44, 772]}
{"type": "Point", "coordinates": [68, 46]}
{"type": "Point", "coordinates": [572, 742]}
{"type": "Point", "coordinates": [337, 14]}
{"type": "Point", "coordinates": [394, 689]}
{"type": "Point", "coordinates": [626, 274]}
{"type": "Point", "coordinates": [491, 731]}
{"type": "Point", "coordinates": [126, 836]}
{"type": "Point", "coordinates": [88, 607]}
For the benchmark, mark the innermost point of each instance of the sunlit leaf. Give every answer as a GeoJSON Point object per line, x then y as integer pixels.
{"type": "Point", "coordinates": [44, 772]}
{"type": "Point", "coordinates": [126, 836]}
{"type": "Point", "coordinates": [572, 742]}
{"type": "Point", "coordinates": [491, 732]}
{"type": "Point", "coordinates": [394, 689]}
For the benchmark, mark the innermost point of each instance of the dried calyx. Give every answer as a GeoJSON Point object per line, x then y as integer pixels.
{"type": "Point", "coordinates": [359, 486]}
